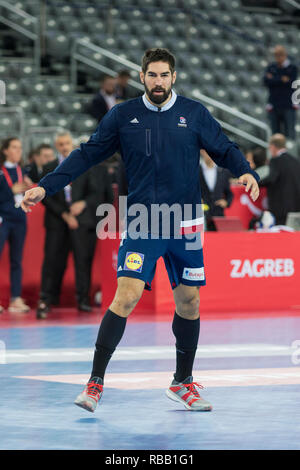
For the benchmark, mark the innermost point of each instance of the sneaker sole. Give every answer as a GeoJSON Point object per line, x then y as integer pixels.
{"type": "Point", "coordinates": [85, 405]}
{"type": "Point", "coordinates": [174, 397]}
{"type": "Point", "coordinates": [16, 310]}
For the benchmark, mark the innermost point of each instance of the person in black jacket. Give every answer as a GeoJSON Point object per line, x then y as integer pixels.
{"type": "Point", "coordinates": [104, 100]}
{"type": "Point", "coordinates": [278, 78]}
{"type": "Point", "coordinates": [122, 90]}
{"type": "Point", "coordinates": [70, 222]}
{"type": "Point", "coordinates": [42, 155]}
{"type": "Point", "coordinates": [215, 189]}
{"type": "Point", "coordinates": [13, 224]}
{"type": "Point", "coordinates": [283, 181]}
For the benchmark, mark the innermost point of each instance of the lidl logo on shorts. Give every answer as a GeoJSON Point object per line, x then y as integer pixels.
{"type": "Point", "coordinates": [134, 261]}
{"type": "Point", "coordinates": [193, 274]}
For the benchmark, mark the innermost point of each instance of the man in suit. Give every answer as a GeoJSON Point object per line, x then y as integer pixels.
{"type": "Point", "coordinates": [283, 181]}
{"type": "Point", "coordinates": [42, 155]}
{"type": "Point", "coordinates": [70, 222]}
{"type": "Point", "coordinates": [215, 189]}
{"type": "Point", "coordinates": [104, 100]}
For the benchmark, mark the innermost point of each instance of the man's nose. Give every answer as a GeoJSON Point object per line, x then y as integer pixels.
{"type": "Point", "coordinates": [158, 81]}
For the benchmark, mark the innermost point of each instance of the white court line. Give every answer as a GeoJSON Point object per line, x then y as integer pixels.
{"type": "Point", "coordinates": [135, 353]}
{"type": "Point", "coordinates": [208, 378]}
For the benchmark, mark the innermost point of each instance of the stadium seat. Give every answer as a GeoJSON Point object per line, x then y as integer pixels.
{"type": "Point", "coordinates": [83, 123]}
{"type": "Point", "coordinates": [59, 88]}
{"type": "Point", "coordinates": [34, 120]}
{"type": "Point", "coordinates": [33, 87]}
{"type": "Point", "coordinates": [7, 125]}
{"type": "Point", "coordinates": [44, 105]}
{"type": "Point", "coordinates": [58, 45]}
{"type": "Point", "coordinates": [20, 100]}
{"type": "Point", "coordinates": [57, 120]}
{"type": "Point", "coordinates": [12, 86]}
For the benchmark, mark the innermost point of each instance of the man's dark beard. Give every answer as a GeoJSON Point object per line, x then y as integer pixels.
{"type": "Point", "coordinates": [155, 98]}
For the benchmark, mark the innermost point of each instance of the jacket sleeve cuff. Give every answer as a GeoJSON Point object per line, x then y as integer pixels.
{"type": "Point", "coordinates": [43, 185]}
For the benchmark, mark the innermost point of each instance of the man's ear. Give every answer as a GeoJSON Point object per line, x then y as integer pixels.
{"type": "Point", "coordinates": [142, 77]}
{"type": "Point", "coordinates": [174, 77]}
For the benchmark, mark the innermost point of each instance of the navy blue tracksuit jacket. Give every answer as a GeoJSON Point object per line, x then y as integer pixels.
{"type": "Point", "coordinates": [159, 147]}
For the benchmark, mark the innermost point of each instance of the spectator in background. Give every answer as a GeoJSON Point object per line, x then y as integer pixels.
{"type": "Point", "coordinates": [283, 181]}
{"type": "Point", "coordinates": [42, 155]}
{"type": "Point", "coordinates": [104, 100]}
{"type": "Point", "coordinates": [215, 189]}
{"type": "Point", "coordinates": [13, 184]}
{"type": "Point", "coordinates": [278, 78]}
{"type": "Point", "coordinates": [121, 89]}
{"type": "Point", "coordinates": [30, 156]}
{"type": "Point", "coordinates": [70, 222]}
{"type": "Point", "coordinates": [257, 158]}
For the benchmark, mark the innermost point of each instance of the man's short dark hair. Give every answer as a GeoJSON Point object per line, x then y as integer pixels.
{"type": "Point", "coordinates": [259, 155]}
{"type": "Point", "coordinates": [42, 147]}
{"type": "Point", "coordinates": [124, 73]}
{"type": "Point", "coordinates": [105, 77]}
{"type": "Point", "coordinates": [158, 55]}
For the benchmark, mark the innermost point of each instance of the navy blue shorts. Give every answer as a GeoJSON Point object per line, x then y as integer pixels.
{"type": "Point", "coordinates": [138, 258]}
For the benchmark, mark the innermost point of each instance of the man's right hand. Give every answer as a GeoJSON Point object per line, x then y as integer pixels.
{"type": "Point", "coordinates": [32, 197]}
{"type": "Point", "coordinates": [70, 220]}
{"type": "Point", "coordinates": [18, 188]}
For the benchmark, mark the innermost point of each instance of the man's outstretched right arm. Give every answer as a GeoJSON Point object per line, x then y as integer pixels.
{"type": "Point", "coordinates": [101, 145]}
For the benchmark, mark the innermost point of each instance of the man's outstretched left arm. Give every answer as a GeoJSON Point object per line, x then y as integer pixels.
{"type": "Point", "coordinates": [226, 153]}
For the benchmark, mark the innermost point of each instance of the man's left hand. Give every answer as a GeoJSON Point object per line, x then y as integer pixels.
{"type": "Point", "coordinates": [77, 207]}
{"type": "Point", "coordinates": [221, 203]}
{"type": "Point", "coordinates": [251, 185]}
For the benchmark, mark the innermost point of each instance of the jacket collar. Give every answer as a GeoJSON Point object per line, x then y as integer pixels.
{"type": "Point", "coordinates": [9, 164]}
{"type": "Point", "coordinates": [167, 106]}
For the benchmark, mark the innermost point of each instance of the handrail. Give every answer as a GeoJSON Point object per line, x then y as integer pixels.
{"type": "Point", "coordinates": [224, 107]}
{"type": "Point", "coordinates": [34, 36]}
{"type": "Point", "coordinates": [293, 3]}
{"type": "Point", "coordinates": [243, 134]}
{"type": "Point", "coordinates": [17, 10]}
{"type": "Point", "coordinates": [2, 92]}
{"type": "Point", "coordinates": [76, 56]}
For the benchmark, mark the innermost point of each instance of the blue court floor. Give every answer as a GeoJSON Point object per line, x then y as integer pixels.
{"type": "Point", "coordinates": [250, 369]}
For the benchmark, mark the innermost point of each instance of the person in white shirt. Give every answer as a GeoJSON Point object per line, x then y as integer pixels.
{"type": "Point", "coordinates": [215, 189]}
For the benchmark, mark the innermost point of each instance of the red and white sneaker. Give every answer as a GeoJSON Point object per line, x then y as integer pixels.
{"type": "Point", "coordinates": [187, 393]}
{"type": "Point", "coordinates": [88, 399]}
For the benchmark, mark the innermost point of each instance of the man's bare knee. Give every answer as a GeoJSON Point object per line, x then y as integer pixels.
{"type": "Point", "coordinates": [128, 293]}
{"type": "Point", "coordinates": [187, 302]}
{"type": "Point", "coordinates": [188, 308]}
